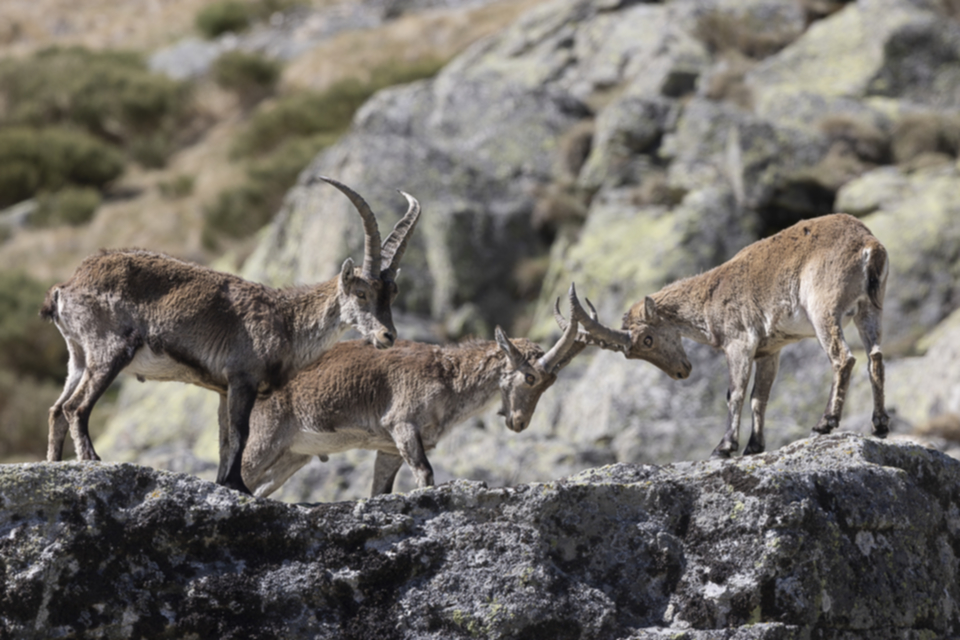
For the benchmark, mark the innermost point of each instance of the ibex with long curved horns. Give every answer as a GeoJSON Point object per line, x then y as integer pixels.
{"type": "Point", "coordinates": [160, 318]}
{"type": "Point", "coordinates": [807, 281]}
{"type": "Point", "coordinates": [398, 402]}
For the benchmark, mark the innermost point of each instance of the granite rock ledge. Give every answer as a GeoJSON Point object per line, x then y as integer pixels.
{"type": "Point", "coordinates": [839, 536]}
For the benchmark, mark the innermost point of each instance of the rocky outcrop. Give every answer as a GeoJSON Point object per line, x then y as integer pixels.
{"type": "Point", "coordinates": [618, 107]}
{"type": "Point", "coordinates": [834, 537]}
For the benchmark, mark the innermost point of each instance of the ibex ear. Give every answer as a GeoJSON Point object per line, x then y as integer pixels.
{"type": "Point", "coordinates": [346, 273]}
{"type": "Point", "coordinates": [516, 358]}
{"type": "Point", "coordinates": [649, 309]}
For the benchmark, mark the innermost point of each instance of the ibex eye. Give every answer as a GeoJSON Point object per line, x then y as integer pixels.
{"type": "Point", "coordinates": [529, 378]}
{"type": "Point", "coordinates": [648, 342]}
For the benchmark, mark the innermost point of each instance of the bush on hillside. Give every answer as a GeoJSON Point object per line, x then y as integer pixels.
{"type": "Point", "coordinates": [109, 94]}
{"type": "Point", "coordinates": [234, 16]}
{"type": "Point", "coordinates": [326, 112]}
{"type": "Point", "coordinates": [250, 75]}
{"type": "Point", "coordinates": [223, 17]}
{"type": "Point", "coordinates": [33, 160]}
{"type": "Point", "coordinates": [71, 206]}
{"type": "Point", "coordinates": [281, 140]}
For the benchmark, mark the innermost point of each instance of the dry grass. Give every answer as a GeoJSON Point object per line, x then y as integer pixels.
{"type": "Point", "coordinates": [432, 34]}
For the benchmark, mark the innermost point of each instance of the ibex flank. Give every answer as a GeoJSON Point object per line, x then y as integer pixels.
{"type": "Point", "coordinates": [398, 402]}
{"type": "Point", "coordinates": [807, 281]}
{"type": "Point", "coordinates": [160, 318]}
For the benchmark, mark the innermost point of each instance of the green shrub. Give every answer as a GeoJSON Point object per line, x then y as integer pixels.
{"type": "Point", "coordinates": [326, 112]}
{"type": "Point", "coordinates": [29, 345]}
{"type": "Point", "coordinates": [223, 17]}
{"type": "Point", "coordinates": [72, 206]}
{"type": "Point", "coordinates": [109, 94]}
{"type": "Point", "coordinates": [228, 16]}
{"type": "Point", "coordinates": [250, 75]}
{"type": "Point", "coordinates": [285, 138]}
{"type": "Point", "coordinates": [33, 160]}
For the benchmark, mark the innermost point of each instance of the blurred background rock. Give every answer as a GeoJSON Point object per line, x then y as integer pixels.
{"type": "Point", "coordinates": [614, 143]}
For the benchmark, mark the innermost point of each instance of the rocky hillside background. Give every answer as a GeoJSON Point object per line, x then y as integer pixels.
{"type": "Point", "coordinates": [616, 144]}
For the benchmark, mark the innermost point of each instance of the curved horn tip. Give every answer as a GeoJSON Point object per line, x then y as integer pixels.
{"type": "Point", "coordinates": [593, 309]}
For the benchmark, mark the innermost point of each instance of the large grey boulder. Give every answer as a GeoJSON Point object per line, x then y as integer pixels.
{"type": "Point", "coordinates": [835, 537]}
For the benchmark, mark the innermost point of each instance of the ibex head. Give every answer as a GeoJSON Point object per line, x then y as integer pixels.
{"type": "Point", "coordinates": [645, 335]}
{"type": "Point", "coordinates": [367, 293]}
{"type": "Point", "coordinates": [526, 379]}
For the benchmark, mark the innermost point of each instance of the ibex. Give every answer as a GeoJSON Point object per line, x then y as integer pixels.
{"type": "Point", "coordinates": [807, 281]}
{"type": "Point", "coordinates": [398, 402]}
{"type": "Point", "coordinates": [160, 318]}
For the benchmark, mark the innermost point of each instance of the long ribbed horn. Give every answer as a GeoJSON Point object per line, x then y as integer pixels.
{"type": "Point", "coordinates": [582, 334]}
{"type": "Point", "coordinates": [396, 242]}
{"type": "Point", "coordinates": [551, 361]}
{"type": "Point", "coordinates": [371, 243]}
{"type": "Point", "coordinates": [604, 337]}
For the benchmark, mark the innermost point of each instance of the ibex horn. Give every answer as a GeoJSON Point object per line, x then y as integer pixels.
{"type": "Point", "coordinates": [396, 242]}
{"type": "Point", "coordinates": [554, 359]}
{"type": "Point", "coordinates": [605, 337]}
{"type": "Point", "coordinates": [371, 244]}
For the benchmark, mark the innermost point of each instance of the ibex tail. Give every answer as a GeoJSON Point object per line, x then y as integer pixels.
{"type": "Point", "coordinates": [875, 268]}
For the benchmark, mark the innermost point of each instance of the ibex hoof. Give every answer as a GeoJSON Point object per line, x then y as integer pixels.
{"type": "Point", "coordinates": [754, 448]}
{"type": "Point", "coordinates": [720, 454]}
{"type": "Point", "coordinates": [881, 425]}
{"type": "Point", "coordinates": [826, 425]}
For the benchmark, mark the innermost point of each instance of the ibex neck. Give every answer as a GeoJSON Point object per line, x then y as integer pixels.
{"type": "Point", "coordinates": [474, 371]}
{"type": "Point", "coordinates": [478, 366]}
{"type": "Point", "coordinates": [314, 320]}
{"type": "Point", "coordinates": [684, 304]}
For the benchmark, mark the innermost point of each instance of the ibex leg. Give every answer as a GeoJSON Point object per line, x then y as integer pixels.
{"type": "Point", "coordinates": [385, 472]}
{"type": "Point", "coordinates": [58, 421]}
{"type": "Point", "coordinates": [868, 324]}
{"type": "Point", "coordinates": [767, 368]}
{"type": "Point", "coordinates": [739, 363]}
{"type": "Point", "coordinates": [95, 380]}
{"type": "Point", "coordinates": [830, 335]}
{"type": "Point", "coordinates": [407, 438]}
{"type": "Point", "coordinates": [241, 396]}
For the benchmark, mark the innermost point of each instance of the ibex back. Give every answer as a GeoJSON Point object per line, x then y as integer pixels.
{"type": "Point", "coordinates": [161, 318]}
{"type": "Point", "coordinates": [398, 402]}
{"type": "Point", "coordinates": [807, 281]}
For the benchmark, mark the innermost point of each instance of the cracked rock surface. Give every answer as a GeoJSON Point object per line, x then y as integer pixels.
{"type": "Point", "coordinates": [839, 536]}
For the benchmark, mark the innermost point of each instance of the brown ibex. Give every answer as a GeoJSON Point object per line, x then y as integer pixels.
{"type": "Point", "coordinates": [398, 402]}
{"type": "Point", "coordinates": [807, 281]}
{"type": "Point", "coordinates": [160, 318]}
